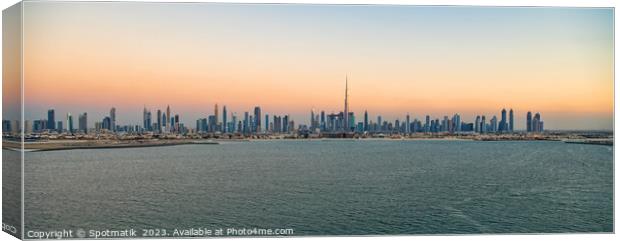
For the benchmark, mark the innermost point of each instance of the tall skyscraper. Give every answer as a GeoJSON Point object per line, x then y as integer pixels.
{"type": "Point", "coordinates": [224, 120]}
{"type": "Point", "coordinates": [528, 123]}
{"type": "Point", "coordinates": [83, 123]}
{"type": "Point", "coordinates": [167, 118]}
{"type": "Point", "coordinates": [147, 120]}
{"type": "Point", "coordinates": [322, 120]}
{"type": "Point", "coordinates": [511, 120]}
{"type": "Point", "coordinates": [159, 121]}
{"type": "Point", "coordinates": [312, 121]}
{"type": "Point", "coordinates": [246, 122]}
{"type": "Point", "coordinates": [257, 118]}
{"type": "Point", "coordinates": [51, 119]}
{"type": "Point", "coordinates": [113, 119]}
{"type": "Point", "coordinates": [408, 123]}
{"type": "Point", "coordinates": [366, 120]}
{"type": "Point", "coordinates": [217, 117]}
{"type": "Point", "coordinates": [69, 123]}
{"type": "Point", "coordinates": [503, 126]}
{"type": "Point", "coordinates": [346, 104]}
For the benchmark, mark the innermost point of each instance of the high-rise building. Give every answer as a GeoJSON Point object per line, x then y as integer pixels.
{"type": "Point", "coordinates": [246, 122]}
{"type": "Point", "coordinates": [511, 120]}
{"type": "Point", "coordinates": [69, 123]}
{"type": "Point", "coordinates": [217, 117]}
{"type": "Point", "coordinates": [257, 118]}
{"type": "Point", "coordinates": [477, 124]}
{"type": "Point", "coordinates": [177, 123]}
{"type": "Point", "coordinates": [528, 122]}
{"type": "Point", "coordinates": [147, 120]}
{"type": "Point", "coordinates": [51, 119]}
{"type": "Point", "coordinates": [113, 119]}
{"type": "Point", "coordinates": [537, 123]}
{"type": "Point", "coordinates": [233, 123]}
{"type": "Point", "coordinates": [159, 119]}
{"type": "Point", "coordinates": [366, 120]}
{"type": "Point", "coordinates": [323, 120]}
{"type": "Point", "coordinates": [493, 124]}
{"type": "Point", "coordinates": [224, 119]}
{"type": "Point", "coordinates": [83, 123]}
{"type": "Point", "coordinates": [346, 104]}
{"type": "Point", "coordinates": [457, 122]}
{"type": "Point", "coordinates": [503, 126]}
{"type": "Point", "coordinates": [407, 123]}
{"type": "Point", "coordinates": [167, 118]}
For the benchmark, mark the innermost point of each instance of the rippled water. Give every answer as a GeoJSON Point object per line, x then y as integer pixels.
{"type": "Point", "coordinates": [328, 187]}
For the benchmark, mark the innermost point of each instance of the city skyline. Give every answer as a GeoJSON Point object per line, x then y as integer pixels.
{"type": "Point", "coordinates": [292, 58]}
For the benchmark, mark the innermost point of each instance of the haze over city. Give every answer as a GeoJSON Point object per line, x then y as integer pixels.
{"type": "Point", "coordinates": [289, 59]}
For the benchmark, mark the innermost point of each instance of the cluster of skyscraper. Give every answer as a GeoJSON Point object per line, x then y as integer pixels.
{"type": "Point", "coordinates": [342, 122]}
{"type": "Point", "coordinates": [336, 122]}
{"type": "Point", "coordinates": [251, 124]}
{"type": "Point", "coordinates": [165, 122]}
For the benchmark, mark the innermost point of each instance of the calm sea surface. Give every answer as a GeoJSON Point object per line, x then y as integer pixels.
{"type": "Point", "coordinates": [327, 187]}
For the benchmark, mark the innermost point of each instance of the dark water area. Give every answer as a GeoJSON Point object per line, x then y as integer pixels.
{"type": "Point", "coordinates": [327, 187]}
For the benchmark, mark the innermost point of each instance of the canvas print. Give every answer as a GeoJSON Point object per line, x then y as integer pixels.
{"type": "Point", "coordinates": [176, 120]}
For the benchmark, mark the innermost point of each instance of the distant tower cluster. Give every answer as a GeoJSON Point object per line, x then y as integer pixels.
{"type": "Point", "coordinates": [534, 124]}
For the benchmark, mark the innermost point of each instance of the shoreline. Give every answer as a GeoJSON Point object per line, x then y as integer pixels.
{"type": "Point", "coordinates": [111, 144]}
{"type": "Point", "coordinates": [68, 145]}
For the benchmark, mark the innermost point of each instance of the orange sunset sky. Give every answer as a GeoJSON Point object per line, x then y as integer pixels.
{"type": "Point", "coordinates": [288, 59]}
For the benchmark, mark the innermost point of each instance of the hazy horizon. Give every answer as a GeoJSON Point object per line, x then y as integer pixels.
{"type": "Point", "coordinates": [291, 58]}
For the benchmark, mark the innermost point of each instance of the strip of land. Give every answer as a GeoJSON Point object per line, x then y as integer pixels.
{"type": "Point", "coordinates": [97, 144]}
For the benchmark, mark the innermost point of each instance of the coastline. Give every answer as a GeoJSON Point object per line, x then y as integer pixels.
{"type": "Point", "coordinates": [57, 145]}
{"type": "Point", "coordinates": [79, 144]}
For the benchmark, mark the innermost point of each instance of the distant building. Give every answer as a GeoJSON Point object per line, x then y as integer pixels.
{"type": "Point", "coordinates": [83, 123]}
{"type": "Point", "coordinates": [113, 119]}
{"type": "Point", "coordinates": [511, 125]}
{"type": "Point", "coordinates": [528, 122]}
{"type": "Point", "coordinates": [51, 119]}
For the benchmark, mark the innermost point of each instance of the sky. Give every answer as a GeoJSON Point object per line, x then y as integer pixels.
{"type": "Point", "coordinates": [291, 58]}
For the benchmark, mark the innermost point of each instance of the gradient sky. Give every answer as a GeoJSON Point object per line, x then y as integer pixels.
{"type": "Point", "coordinates": [291, 58]}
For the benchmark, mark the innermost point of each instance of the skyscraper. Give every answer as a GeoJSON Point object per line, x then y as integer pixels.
{"type": "Point", "coordinates": [69, 123]}
{"type": "Point", "coordinates": [346, 104]}
{"type": "Point", "coordinates": [408, 124]}
{"type": "Point", "coordinates": [224, 120]}
{"type": "Point", "coordinates": [166, 118]}
{"type": "Point", "coordinates": [366, 120]}
{"type": "Point", "coordinates": [511, 119]}
{"type": "Point", "coordinates": [503, 126]}
{"type": "Point", "coordinates": [113, 119]}
{"type": "Point", "coordinates": [159, 121]}
{"type": "Point", "coordinates": [83, 123]}
{"type": "Point", "coordinates": [217, 118]}
{"type": "Point", "coordinates": [257, 118]}
{"type": "Point", "coordinates": [528, 122]}
{"type": "Point", "coordinates": [147, 120]}
{"type": "Point", "coordinates": [51, 119]}
{"type": "Point", "coordinates": [246, 122]}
